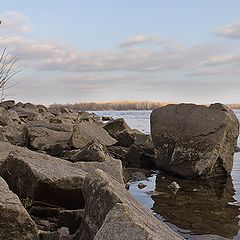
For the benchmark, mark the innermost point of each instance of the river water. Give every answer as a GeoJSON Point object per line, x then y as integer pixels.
{"type": "Point", "coordinates": [201, 209]}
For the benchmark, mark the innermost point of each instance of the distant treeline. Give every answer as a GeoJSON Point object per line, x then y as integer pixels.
{"type": "Point", "coordinates": [119, 105]}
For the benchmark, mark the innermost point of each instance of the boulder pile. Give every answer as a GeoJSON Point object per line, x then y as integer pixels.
{"type": "Point", "coordinates": [61, 176]}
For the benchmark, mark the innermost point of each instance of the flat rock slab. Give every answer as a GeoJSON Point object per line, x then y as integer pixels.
{"type": "Point", "coordinates": [44, 178]}
{"type": "Point", "coordinates": [15, 222]}
{"type": "Point", "coordinates": [194, 140]}
{"type": "Point", "coordinates": [86, 132]}
{"type": "Point", "coordinates": [111, 209]}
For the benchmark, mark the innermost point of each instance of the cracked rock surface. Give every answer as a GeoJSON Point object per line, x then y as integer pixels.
{"type": "Point", "coordinates": [194, 140]}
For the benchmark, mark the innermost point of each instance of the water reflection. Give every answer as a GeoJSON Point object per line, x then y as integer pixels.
{"type": "Point", "coordinates": [200, 206]}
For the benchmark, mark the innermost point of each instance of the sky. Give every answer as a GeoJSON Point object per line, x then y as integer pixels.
{"type": "Point", "coordinates": [78, 51]}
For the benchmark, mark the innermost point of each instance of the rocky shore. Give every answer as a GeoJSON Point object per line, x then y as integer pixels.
{"type": "Point", "coordinates": [63, 173]}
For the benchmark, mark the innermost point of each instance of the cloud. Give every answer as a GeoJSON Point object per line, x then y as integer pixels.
{"type": "Point", "coordinates": [47, 55]}
{"type": "Point", "coordinates": [133, 41]}
{"type": "Point", "coordinates": [15, 22]}
{"type": "Point", "coordinates": [230, 31]}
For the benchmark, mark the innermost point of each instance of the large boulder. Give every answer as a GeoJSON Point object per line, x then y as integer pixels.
{"type": "Point", "coordinates": [193, 140]}
{"type": "Point", "coordinates": [85, 132]}
{"type": "Point", "coordinates": [49, 137]}
{"type": "Point", "coordinates": [51, 180]}
{"type": "Point", "coordinates": [15, 222]}
{"type": "Point", "coordinates": [111, 210]}
{"type": "Point", "coordinates": [40, 177]}
{"type": "Point", "coordinates": [7, 104]}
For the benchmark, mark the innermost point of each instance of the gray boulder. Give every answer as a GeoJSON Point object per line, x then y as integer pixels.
{"type": "Point", "coordinates": [41, 177]}
{"type": "Point", "coordinates": [49, 137]}
{"type": "Point", "coordinates": [5, 149]}
{"type": "Point", "coordinates": [15, 222]}
{"type": "Point", "coordinates": [112, 213]}
{"type": "Point", "coordinates": [193, 140]}
{"type": "Point", "coordinates": [93, 152]}
{"type": "Point", "coordinates": [85, 132]}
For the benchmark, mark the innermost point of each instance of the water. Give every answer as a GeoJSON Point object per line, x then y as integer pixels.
{"type": "Point", "coordinates": [200, 209]}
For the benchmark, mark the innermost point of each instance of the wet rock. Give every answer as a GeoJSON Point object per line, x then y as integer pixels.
{"type": "Point", "coordinates": [106, 118]}
{"type": "Point", "coordinates": [138, 157]}
{"type": "Point", "coordinates": [174, 187]}
{"type": "Point", "coordinates": [15, 222]}
{"type": "Point", "coordinates": [93, 152]}
{"type": "Point", "coordinates": [237, 149]}
{"type": "Point", "coordinates": [141, 185]}
{"type": "Point", "coordinates": [86, 132]}
{"type": "Point", "coordinates": [194, 141]}
{"type": "Point", "coordinates": [49, 137]}
{"type": "Point", "coordinates": [110, 212]}
{"type": "Point", "coordinates": [43, 178]}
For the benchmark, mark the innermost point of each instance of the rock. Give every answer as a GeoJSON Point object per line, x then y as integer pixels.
{"type": "Point", "coordinates": [106, 118]}
{"type": "Point", "coordinates": [141, 185]}
{"type": "Point", "coordinates": [11, 115]}
{"type": "Point", "coordinates": [13, 132]}
{"type": "Point", "coordinates": [112, 213]}
{"type": "Point", "coordinates": [70, 155]}
{"type": "Point", "coordinates": [15, 222]}
{"type": "Point", "coordinates": [174, 187]}
{"type": "Point", "coordinates": [5, 149]}
{"type": "Point", "coordinates": [4, 120]}
{"type": "Point", "coordinates": [89, 117]}
{"type": "Point", "coordinates": [2, 109]}
{"type": "Point", "coordinates": [115, 126]}
{"type": "Point", "coordinates": [30, 107]}
{"type": "Point", "coordinates": [137, 157]}
{"type": "Point", "coordinates": [49, 137]}
{"type": "Point", "coordinates": [43, 178]}
{"type": "Point", "coordinates": [44, 211]}
{"type": "Point", "coordinates": [112, 167]}
{"type": "Point", "coordinates": [47, 235]}
{"type": "Point", "coordinates": [70, 219]}
{"type": "Point", "coordinates": [86, 132]}
{"type": "Point", "coordinates": [50, 180]}
{"type": "Point", "coordinates": [93, 152]}
{"type": "Point", "coordinates": [26, 114]}
{"type": "Point", "coordinates": [42, 108]}
{"type": "Point", "coordinates": [7, 104]}
{"type": "Point", "coordinates": [194, 141]}
{"type": "Point", "coordinates": [124, 138]}
{"type": "Point", "coordinates": [237, 149]}
{"type": "Point", "coordinates": [118, 152]}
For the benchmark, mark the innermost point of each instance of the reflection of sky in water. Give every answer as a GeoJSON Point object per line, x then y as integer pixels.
{"type": "Point", "coordinates": [140, 121]}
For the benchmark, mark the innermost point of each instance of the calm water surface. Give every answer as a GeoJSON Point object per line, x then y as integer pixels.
{"type": "Point", "coordinates": [200, 209]}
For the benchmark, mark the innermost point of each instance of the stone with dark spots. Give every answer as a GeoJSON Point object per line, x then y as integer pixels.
{"type": "Point", "coordinates": [193, 140]}
{"type": "Point", "coordinates": [7, 104]}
